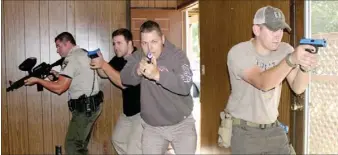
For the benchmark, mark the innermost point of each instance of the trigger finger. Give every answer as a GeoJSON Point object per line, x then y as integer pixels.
{"type": "Point", "coordinates": [307, 64]}
{"type": "Point", "coordinates": [308, 47]}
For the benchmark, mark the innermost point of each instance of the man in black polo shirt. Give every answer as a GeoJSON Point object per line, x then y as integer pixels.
{"type": "Point", "coordinates": [128, 131]}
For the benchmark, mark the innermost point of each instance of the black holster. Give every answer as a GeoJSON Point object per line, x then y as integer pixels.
{"type": "Point", "coordinates": [86, 104]}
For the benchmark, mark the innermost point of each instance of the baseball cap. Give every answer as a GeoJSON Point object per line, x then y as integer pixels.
{"type": "Point", "coordinates": [273, 18]}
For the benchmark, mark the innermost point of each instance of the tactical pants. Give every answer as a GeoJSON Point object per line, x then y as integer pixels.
{"type": "Point", "coordinates": [182, 136]}
{"type": "Point", "coordinates": [127, 135]}
{"type": "Point", "coordinates": [252, 140]}
{"type": "Point", "coordinates": [79, 132]}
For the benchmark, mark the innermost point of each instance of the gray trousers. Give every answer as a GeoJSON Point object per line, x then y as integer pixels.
{"type": "Point", "coordinates": [251, 140]}
{"type": "Point", "coordinates": [182, 136]}
{"type": "Point", "coordinates": [127, 135]}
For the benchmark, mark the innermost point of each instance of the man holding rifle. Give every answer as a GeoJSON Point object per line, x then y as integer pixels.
{"type": "Point", "coordinates": [85, 98]}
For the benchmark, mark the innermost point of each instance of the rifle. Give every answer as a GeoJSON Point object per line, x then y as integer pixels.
{"type": "Point", "coordinates": [314, 42]}
{"type": "Point", "coordinates": [41, 71]}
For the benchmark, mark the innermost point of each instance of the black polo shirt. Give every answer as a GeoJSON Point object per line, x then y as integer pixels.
{"type": "Point", "coordinates": [131, 94]}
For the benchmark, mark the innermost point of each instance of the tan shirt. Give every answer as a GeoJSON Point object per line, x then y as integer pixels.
{"type": "Point", "coordinates": [76, 66]}
{"type": "Point", "coordinates": [246, 101]}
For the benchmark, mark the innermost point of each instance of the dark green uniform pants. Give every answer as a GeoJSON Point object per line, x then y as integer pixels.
{"type": "Point", "coordinates": [79, 132]}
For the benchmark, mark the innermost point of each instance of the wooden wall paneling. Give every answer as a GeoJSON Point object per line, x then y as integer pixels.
{"type": "Point", "coordinates": [133, 3]}
{"type": "Point", "coordinates": [151, 3]}
{"type": "Point", "coordinates": [183, 4]}
{"type": "Point", "coordinates": [172, 4]}
{"type": "Point", "coordinates": [60, 111]}
{"type": "Point", "coordinates": [238, 14]}
{"type": "Point", "coordinates": [32, 49]}
{"type": "Point", "coordinates": [15, 54]}
{"type": "Point", "coordinates": [92, 9]}
{"type": "Point", "coordinates": [118, 17]}
{"type": "Point", "coordinates": [36, 124]}
{"type": "Point", "coordinates": [100, 136]}
{"type": "Point", "coordinates": [237, 34]}
{"type": "Point", "coordinates": [139, 3]}
{"type": "Point", "coordinates": [179, 2]}
{"type": "Point", "coordinates": [161, 3]}
{"type": "Point", "coordinates": [119, 21]}
{"type": "Point", "coordinates": [175, 27]}
{"type": "Point", "coordinates": [116, 23]}
{"type": "Point", "coordinates": [92, 23]}
{"type": "Point", "coordinates": [82, 16]}
{"type": "Point", "coordinates": [46, 101]}
{"type": "Point", "coordinates": [164, 4]}
{"type": "Point", "coordinates": [4, 83]}
{"type": "Point", "coordinates": [210, 32]}
{"type": "Point", "coordinates": [113, 108]}
{"type": "Point", "coordinates": [297, 25]}
{"type": "Point", "coordinates": [70, 11]}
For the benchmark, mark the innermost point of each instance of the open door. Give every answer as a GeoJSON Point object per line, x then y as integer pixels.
{"type": "Point", "coordinates": [170, 21]}
{"type": "Point", "coordinates": [320, 100]}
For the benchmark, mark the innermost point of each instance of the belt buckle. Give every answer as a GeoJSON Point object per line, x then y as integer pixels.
{"type": "Point", "coordinates": [262, 126]}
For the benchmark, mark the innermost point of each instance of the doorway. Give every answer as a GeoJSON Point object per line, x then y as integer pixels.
{"type": "Point", "coordinates": [181, 27]}
{"type": "Point", "coordinates": [193, 53]}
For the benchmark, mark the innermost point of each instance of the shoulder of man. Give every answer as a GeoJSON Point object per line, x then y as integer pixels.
{"type": "Point", "coordinates": [76, 55]}
{"type": "Point", "coordinates": [79, 52]}
{"type": "Point", "coordinates": [137, 55]}
{"type": "Point", "coordinates": [174, 51]}
{"type": "Point", "coordinates": [240, 49]}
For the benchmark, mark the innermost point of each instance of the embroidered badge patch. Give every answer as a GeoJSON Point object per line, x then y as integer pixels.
{"type": "Point", "coordinates": [64, 64]}
{"type": "Point", "coordinates": [186, 75]}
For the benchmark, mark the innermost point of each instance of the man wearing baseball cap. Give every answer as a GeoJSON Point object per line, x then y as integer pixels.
{"type": "Point", "coordinates": [257, 68]}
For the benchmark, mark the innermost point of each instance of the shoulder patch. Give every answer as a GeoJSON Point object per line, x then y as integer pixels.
{"type": "Point", "coordinates": [64, 64]}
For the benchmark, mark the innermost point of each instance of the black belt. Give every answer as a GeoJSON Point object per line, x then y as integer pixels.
{"type": "Point", "coordinates": [86, 104]}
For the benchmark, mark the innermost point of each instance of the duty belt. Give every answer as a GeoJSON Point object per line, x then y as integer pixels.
{"type": "Point", "coordinates": [237, 121]}
{"type": "Point", "coordinates": [84, 103]}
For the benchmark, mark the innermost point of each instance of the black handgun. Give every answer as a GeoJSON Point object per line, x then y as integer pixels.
{"type": "Point", "coordinates": [41, 71]}
{"type": "Point", "coordinates": [314, 42]}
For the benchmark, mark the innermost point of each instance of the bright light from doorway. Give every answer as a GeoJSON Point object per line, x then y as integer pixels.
{"type": "Point", "coordinates": [193, 53]}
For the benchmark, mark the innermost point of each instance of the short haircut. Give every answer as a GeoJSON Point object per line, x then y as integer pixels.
{"type": "Point", "coordinates": [149, 26]}
{"type": "Point", "coordinates": [124, 32]}
{"type": "Point", "coordinates": [65, 36]}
